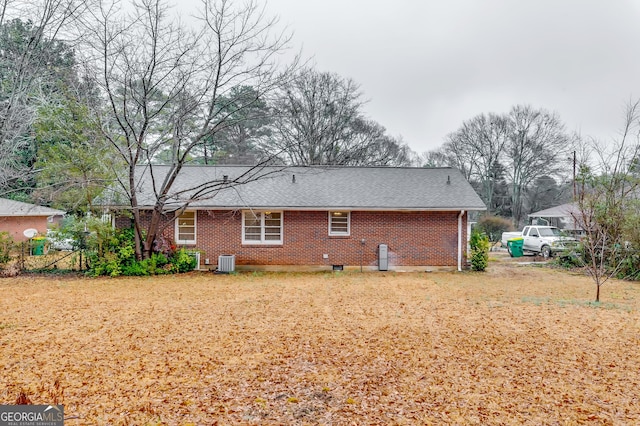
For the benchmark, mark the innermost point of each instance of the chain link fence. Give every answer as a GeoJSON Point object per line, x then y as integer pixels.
{"type": "Point", "coordinates": [36, 255]}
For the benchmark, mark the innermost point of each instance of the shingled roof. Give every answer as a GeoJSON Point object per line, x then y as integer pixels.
{"type": "Point", "coordinates": [315, 187]}
{"type": "Point", "coordinates": [18, 208]}
{"type": "Point", "coordinates": [564, 210]}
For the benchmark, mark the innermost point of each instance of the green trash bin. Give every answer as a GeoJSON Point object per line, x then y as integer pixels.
{"type": "Point", "coordinates": [37, 248]}
{"type": "Point", "coordinates": [515, 246]}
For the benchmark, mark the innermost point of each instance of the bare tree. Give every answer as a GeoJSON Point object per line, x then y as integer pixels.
{"type": "Point", "coordinates": [384, 151]}
{"type": "Point", "coordinates": [26, 73]}
{"type": "Point", "coordinates": [520, 147]}
{"type": "Point", "coordinates": [433, 158]}
{"type": "Point", "coordinates": [484, 138]}
{"type": "Point", "coordinates": [537, 143]}
{"type": "Point", "coordinates": [163, 86]}
{"type": "Point", "coordinates": [320, 121]}
{"type": "Point", "coordinates": [607, 201]}
{"type": "Point", "coordinates": [454, 153]}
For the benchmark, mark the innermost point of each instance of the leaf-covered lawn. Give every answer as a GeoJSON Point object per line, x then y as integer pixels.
{"type": "Point", "coordinates": [515, 345]}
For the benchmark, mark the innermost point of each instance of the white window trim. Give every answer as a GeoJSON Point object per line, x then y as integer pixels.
{"type": "Point", "coordinates": [195, 229]}
{"type": "Point", "coordinates": [340, 234]}
{"type": "Point", "coordinates": [262, 240]}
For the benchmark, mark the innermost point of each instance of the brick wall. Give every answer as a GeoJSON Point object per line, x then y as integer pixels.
{"type": "Point", "coordinates": [413, 238]}
{"type": "Point", "coordinates": [15, 225]}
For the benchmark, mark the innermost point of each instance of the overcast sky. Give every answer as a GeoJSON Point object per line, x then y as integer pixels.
{"type": "Point", "coordinates": [427, 65]}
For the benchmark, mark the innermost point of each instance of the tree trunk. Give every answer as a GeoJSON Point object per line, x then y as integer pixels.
{"type": "Point", "coordinates": [152, 232]}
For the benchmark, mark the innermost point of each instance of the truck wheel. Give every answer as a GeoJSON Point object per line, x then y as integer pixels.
{"type": "Point", "coordinates": [545, 252]}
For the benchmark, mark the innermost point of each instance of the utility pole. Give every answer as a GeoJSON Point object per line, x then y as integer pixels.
{"type": "Point", "coordinates": [574, 176]}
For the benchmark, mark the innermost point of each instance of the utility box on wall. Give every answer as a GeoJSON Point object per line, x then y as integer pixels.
{"type": "Point", "coordinates": [383, 257]}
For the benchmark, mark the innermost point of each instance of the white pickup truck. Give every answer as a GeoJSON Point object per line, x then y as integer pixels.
{"type": "Point", "coordinates": [543, 240]}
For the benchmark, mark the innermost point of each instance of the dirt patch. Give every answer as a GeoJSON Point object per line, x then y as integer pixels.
{"type": "Point", "coordinates": [514, 345]}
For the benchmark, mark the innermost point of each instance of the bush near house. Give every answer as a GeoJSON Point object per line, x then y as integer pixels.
{"type": "Point", "coordinates": [111, 252]}
{"type": "Point", "coordinates": [6, 245]}
{"type": "Point", "coordinates": [115, 256]}
{"type": "Point", "coordinates": [479, 244]}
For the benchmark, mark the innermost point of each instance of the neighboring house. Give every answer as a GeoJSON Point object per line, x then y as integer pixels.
{"type": "Point", "coordinates": [562, 216]}
{"type": "Point", "coordinates": [16, 217]}
{"type": "Point", "coordinates": [322, 217]}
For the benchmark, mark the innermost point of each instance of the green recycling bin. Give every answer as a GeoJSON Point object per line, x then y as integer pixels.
{"type": "Point", "coordinates": [37, 248]}
{"type": "Point", "coordinates": [515, 246]}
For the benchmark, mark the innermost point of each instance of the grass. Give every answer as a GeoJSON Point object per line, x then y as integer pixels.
{"type": "Point", "coordinates": [514, 345]}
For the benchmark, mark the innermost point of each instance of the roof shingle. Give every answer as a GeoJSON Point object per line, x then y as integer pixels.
{"type": "Point", "coordinates": [18, 208]}
{"type": "Point", "coordinates": [320, 187]}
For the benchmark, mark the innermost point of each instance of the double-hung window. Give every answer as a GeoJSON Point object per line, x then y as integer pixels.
{"type": "Point", "coordinates": [339, 223]}
{"type": "Point", "coordinates": [186, 228]}
{"type": "Point", "coordinates": [261, 227]}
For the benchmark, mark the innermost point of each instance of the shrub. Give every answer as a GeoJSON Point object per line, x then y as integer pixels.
{"type": "Point", "coordinates": [120, 259]}
{"type": "Point", "coordinates": [184, 261]}
{"type": "Point", "coordinates": [136, 269]}
{"type": "Point", "coordinates": [628, 265]}
{"type": "Point", "coordinates": [479, 244]}
{"type": "Point", "coordinates": [164, 246]}
{"type": "Point", "coordinates": [111, 252]}
{"type": "Point", "coordinates": [570, 259]}
{"type": "Point", "coordinates": [6, 245]}
{"type": "Point", "coordinates": [154, 265]}
{"type": "Point", "coordinates": [493, 226]}
{"type": "Point", "coordinates": [108, 264]}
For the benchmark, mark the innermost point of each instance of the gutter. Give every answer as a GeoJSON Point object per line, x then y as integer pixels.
{"type": "Point", "coordinates": [195, 206]}
{"type": "Point", "coordinates": [460, 240]}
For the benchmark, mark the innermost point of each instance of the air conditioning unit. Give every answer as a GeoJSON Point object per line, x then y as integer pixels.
{"type": "Point", "coordinates": [226, 263]}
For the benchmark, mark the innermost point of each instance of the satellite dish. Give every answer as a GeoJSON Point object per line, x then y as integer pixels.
{"type": "Point", "coordinates": [30, 233]}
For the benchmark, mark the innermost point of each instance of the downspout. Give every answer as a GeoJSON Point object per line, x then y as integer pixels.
{"type": "Point", "coordinates": [460, 240]}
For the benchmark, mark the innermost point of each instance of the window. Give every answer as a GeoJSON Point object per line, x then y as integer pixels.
{"type": "Point", "coordinates": [550, 232]}
{"type": "Point", "coordinates": [339, 223]}
{"type": "Point", "coordinates": [186, 228]}
{"type": "Point", "coordinates": [262, 227]}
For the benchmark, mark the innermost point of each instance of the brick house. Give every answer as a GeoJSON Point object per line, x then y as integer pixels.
{"type": "Point", "coordinates": [320, 217]}
{"type": "Point", "coordinates": [16, 217]}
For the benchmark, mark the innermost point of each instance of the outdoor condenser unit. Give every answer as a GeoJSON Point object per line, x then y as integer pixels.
{"type": "Point", "coordinates": [227, 263]}
{"type": "Point", "coordinates": [383, 257]}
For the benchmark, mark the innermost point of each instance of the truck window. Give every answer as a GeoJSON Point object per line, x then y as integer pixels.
{"type": "Point", "coordinates": [525, 230]}
{"type": "Point", "coordinates": [533, 233]}
{"type": "Point", "coordinates": [550, 232]}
